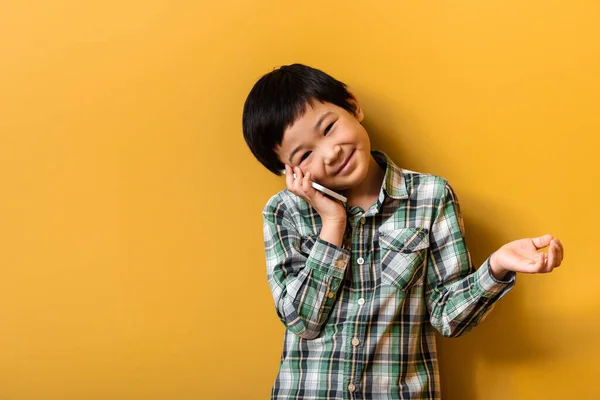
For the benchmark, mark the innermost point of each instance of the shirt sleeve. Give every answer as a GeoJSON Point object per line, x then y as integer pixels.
{"type": "Point", "coordinates": [459, 297]}
{"type": "Point", "coordinates": [304, 273]}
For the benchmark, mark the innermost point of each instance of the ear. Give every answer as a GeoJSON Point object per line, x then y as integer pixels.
{"type": "Point", "coordinates": [358, 113]}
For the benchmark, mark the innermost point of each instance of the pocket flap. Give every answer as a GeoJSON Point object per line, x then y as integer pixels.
{"type": "Point", "coordinates": [405, 240]}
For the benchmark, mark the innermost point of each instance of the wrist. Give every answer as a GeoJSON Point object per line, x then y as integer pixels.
{"type": "Point", "coordinates": [496, 269]}
{"type": "Point", "coordinates": [335, 222]}
{"type": "Point", "coordinates": [332, 231]}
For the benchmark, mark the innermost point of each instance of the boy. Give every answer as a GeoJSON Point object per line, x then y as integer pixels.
{"type": "Point", "coordinates": [361, 286]}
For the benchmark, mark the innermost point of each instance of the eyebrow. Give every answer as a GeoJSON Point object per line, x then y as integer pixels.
{"type": "Point", "coordinates": [316, 128]}
{"type": "Point", "coordinates": [320, 121]}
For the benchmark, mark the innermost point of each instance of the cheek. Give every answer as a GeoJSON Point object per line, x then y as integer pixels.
{"type": "Point", "coordinates": [364, 163]}
{"type": "Point", "coordinates": [315, 173]}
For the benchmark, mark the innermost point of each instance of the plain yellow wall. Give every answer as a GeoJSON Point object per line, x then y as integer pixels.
{"type": "Point", "coordinates": [131, 248]}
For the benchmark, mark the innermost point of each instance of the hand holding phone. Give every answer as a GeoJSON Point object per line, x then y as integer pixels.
{"type": "Point", "coordinates": [332, 210]}
{"type": "Point", "coordinates": [328, 204]}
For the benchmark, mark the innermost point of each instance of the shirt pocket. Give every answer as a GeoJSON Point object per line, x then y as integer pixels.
{"type": "Point", "coordinates": [403, 253]}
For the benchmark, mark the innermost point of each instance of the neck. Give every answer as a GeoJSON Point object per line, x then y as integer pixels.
{"type": "Point", "coordinates": [365, 194]}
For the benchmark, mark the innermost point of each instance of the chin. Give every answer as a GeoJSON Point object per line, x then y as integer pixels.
{"type": "Point", "coordinates": [354, 179]}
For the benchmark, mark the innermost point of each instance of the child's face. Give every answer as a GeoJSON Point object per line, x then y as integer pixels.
{"type": "Point", "coordinates": [325, 139]}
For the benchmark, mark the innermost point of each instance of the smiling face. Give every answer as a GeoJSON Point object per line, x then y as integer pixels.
{"type": "Point", "coordinates": [329, 142]}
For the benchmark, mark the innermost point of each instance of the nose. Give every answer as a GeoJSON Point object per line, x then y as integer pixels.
{"type": "Point", "coordinates": [332, 154]}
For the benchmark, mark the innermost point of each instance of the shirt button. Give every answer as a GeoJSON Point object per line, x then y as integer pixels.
{"type": "Point", "coordinates": [355, 342]}
{"type": "Point", "coordinates": [360, 261]}
{"type": "Point", "coordinates": [330, 295]}
{"type": "Point", "coordinates": [361, 301]}
{"type": "Point", "coordinates": [340, 263]}
{"type": "Point", "coordinates": [351, 387]}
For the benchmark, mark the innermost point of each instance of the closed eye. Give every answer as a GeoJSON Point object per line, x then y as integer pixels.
{"type": "Point", "coordinates": [329, 127]}
{"type": "Point", "coordinates": [305, 155]}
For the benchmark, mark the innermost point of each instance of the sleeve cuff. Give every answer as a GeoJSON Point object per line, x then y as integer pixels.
{"type": "Point", "coordinates": [329, 258]}
{"type": "Point", "coordinates": [489, 285]}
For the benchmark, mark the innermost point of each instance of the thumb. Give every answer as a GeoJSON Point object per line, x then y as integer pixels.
{"type": "Point", "coordinates": [542, 241]}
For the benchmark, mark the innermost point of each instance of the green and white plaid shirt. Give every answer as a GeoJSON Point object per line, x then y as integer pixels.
{"type": "Point", "coordinates": [361, 318]}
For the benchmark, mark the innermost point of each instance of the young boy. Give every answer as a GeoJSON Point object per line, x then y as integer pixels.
{"type": "Point", "coordinates": [362, 286]}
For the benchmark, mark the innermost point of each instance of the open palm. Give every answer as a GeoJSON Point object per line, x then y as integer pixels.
{"type": "Point", "coordinates": [522, 255]}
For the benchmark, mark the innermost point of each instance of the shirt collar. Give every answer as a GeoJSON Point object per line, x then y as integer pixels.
{"type": "Point", "coordinates": [394, 183]}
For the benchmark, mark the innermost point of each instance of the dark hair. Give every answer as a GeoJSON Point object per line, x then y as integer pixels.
{"type": "Point", "coordinates": [278, 99]}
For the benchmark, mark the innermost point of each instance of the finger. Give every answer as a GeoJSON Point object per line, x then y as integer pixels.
{"type": "Point", "coordinates": [306, 186]}
{"type": "Point", "coordinates": [558, 253]}
{"type": "Point", "coordinates": [315, 195]}
{"type": "Point", "coordinates": [291, 180]}
{"type": "Point", "coordinates": [300, 184]}
{"type": "Point", "coordinates": [298, 179]}
{"type": "Point", "coordinates": [538, 263]}
{"type": "Point", "coordinates": [561, 251]}
{"type": "Point", "coordinates": [541, 261]}
{"type": "Point", "coordinates": [542, 241]}
{"type": "Point", "coordinates": [551, 257]}
{"type": "Point", "coordinates": [289, 176]}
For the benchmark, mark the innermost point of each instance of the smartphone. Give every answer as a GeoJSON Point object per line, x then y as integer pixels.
{"type": "Point", "coordinates": [323, 189]}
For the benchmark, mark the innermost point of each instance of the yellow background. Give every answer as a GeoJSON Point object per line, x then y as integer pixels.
{"type": "Point", "coordinates": [131, 253]}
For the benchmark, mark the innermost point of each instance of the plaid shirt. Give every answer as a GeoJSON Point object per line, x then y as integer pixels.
{"type": "Point", "coordinates": [361, 318]}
